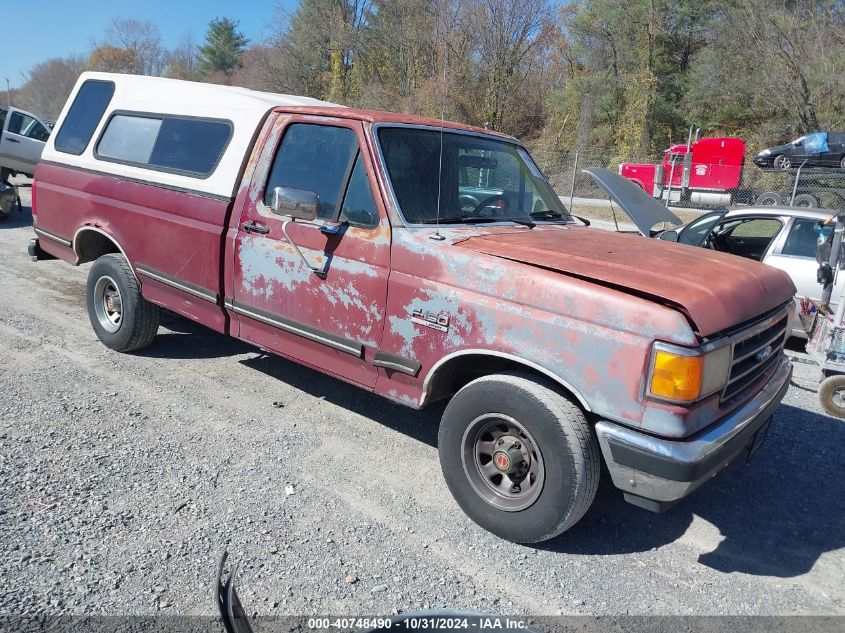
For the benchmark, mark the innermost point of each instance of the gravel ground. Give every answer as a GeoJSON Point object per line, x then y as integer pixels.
{"type": "Point", "coordinates": [122, 477]}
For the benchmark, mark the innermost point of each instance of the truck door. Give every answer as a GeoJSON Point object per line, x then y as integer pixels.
{"type": "Point", "coordinates": [331, 319]}
{"type": "Point", "coordinates": [23, 140]}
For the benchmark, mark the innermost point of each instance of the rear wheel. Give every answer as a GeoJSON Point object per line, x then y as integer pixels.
{"type": "Point", "coordinates": [832, 395]}
{"type": "Point", "coordinates": [519, 457]}
{"type": "Point", "coordinates": [122, 319]}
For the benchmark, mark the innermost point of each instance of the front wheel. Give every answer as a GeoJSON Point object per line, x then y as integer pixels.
{"type": "Point", "coordinates": [769, 199]}
{"type": "Point", "coordinates": [518, 457]}
{"type": "Point", "coordinates": [122, 319]}
{"type": "Point", "coordinates": [832, 395]}
{"type": "Point", "coordinates": [782, 162]}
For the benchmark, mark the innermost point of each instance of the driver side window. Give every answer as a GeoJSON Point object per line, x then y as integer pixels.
{"type": "Point", "coordinates": [746, 237]}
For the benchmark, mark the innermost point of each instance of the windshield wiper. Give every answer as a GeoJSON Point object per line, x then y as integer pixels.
{"type": "Point", "coordinates": [478, 219]}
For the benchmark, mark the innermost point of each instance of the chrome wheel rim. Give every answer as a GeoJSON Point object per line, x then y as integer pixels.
{"type": "Point", "coordinates": [108, 304]}
{"type": "Point", "coordinates": [838, 397]}
{"type": "Point", "coordinates": [503, 462]}
{"type": "Point", "coordinates": [783, 162]}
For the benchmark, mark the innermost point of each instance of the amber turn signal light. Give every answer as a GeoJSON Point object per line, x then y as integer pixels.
{"type": "Point", "coordinates": [676, 377]}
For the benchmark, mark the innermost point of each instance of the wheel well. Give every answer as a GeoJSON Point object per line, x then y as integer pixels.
{"type": "Point", "coordinates": [90, 244]}
{"type": "Point", "coordinates": [459, 371]}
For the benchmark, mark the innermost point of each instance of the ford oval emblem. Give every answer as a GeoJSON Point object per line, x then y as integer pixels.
{"type": "Point", "coordinates": [764, 354]}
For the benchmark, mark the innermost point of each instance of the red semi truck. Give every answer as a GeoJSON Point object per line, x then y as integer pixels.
{"type": "Point", "coordinates": [704, 172]}
{"type": "Point", "coordinates": [421, 260]}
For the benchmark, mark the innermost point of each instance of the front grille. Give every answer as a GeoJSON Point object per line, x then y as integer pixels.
{"type": "Point", "coordinates": [756, 350]}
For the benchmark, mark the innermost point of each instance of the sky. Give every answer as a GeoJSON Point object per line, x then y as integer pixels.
{"type": "Point", "coordinates": [66, 27]}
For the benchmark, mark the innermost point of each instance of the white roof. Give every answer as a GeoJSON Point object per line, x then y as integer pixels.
{"type": "Point", "coordinates": [244, 108]}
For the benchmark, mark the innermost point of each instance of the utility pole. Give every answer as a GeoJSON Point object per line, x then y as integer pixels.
{"type": "Point", "coordinates": [8, 93]}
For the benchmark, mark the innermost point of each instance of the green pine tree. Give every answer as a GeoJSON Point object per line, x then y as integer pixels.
{"type": "Point", "coordinates": [223, 48]}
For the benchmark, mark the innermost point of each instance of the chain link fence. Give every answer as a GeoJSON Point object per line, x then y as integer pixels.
{"type": "Point", "coordinates": [695, 187]}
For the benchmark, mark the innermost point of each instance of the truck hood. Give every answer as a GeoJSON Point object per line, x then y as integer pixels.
{"type": "Point", "coordinates": [716, 291]}
{"type": "Point", "coordinates": [644, 210]}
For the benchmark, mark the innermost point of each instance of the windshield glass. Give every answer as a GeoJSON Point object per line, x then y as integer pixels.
{"type": "Point", "coordinates": [483, 179]}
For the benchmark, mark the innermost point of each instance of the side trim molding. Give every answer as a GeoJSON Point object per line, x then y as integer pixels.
{"type": "Point", "coordinates": [192, 289]}
{"type": "Point", "coordinates": [53, 237]}
{"type": "Point", "coordinates": [305, 331]}
{"type": "Point", "coordinates": [396, 363]}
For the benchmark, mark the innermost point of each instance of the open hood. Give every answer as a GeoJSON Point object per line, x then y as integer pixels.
{"type": "Point", "coordinates": [644, 210]}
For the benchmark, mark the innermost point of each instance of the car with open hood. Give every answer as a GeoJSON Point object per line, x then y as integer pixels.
{"type": "Point", "coordinates": [421, 260]}
{"type": "Point", "coordinates": [783, 237]}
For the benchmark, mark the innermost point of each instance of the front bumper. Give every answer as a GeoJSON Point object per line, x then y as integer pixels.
{"type": "Point", "coordinates": [654, 472]}
{"type": "Point", "coordinates": [764, 161]}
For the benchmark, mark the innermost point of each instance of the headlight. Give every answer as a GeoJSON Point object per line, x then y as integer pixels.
{"type": "Point", "coordinates": [765, 152]}
{"type": "Point", "coordinates": [678, 374]}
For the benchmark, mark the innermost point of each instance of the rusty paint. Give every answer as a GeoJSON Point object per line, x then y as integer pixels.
{"type": "Point", "coordinates": [732, 291]}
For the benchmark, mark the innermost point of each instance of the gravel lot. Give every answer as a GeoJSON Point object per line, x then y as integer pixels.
{"type": "Point", "coordinates": [122, 477]}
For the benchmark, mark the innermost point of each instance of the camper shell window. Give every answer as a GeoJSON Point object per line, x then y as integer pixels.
{"type": "Point", "coordinates": [185, 145]}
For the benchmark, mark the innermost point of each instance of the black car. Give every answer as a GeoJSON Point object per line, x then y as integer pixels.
{"type": "Point", "coordinates": [819, 149]}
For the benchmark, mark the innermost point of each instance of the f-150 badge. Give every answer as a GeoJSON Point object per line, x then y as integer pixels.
{"type": "Point", "coordinates": [430, 319]}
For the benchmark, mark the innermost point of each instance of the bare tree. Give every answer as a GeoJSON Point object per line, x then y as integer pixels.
{"type": "Point", "coordinates": [48, 85]}
{"type": "Point", "coordinates": [143, 38]}
{"type": "Point", "coordinates": [507, 35]}
{"type": "Point", "coordinates": [183, 61]}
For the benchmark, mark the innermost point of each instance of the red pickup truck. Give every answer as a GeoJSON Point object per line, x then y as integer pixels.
{"type": "Point", "coordinates": [422, 260]}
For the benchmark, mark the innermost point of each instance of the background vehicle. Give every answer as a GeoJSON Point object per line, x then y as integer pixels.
{"type": "Point", "coordinates": [819, 149]}
{"type": "Point", "coordinates": [701, 172]}
{"type": "Point", "coordinates": [343, 239]}
{"type": "Point", "coordinates": [783, 237]}
{"type": "Point", "coordinates": [21, 143]}
{"type": "Point", "coordinates": [826, 320]}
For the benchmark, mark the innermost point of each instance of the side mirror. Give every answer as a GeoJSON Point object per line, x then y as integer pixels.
{"type": "Point", "coordinates": [669, 236]}
{"type": "Point", "coordinates": [296, 203]}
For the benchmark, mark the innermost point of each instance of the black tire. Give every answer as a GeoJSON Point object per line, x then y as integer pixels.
{"type": "Point", "coordinates": [769, 199]}
{"type": "Point", "coordinates": [566, 451]}
{"type": "Point", "coordinates": [133, 323]}
{"type": "Point", "coordinates": [832, 395]}
{"type": "Point", "coordinates": [781, 162]}
{"type": "Point", "coordinates": [806, 200]}
{"type": "Point", "coordinates": [5, 174]}
{"type": "Point", "coordinates": [842, 163]}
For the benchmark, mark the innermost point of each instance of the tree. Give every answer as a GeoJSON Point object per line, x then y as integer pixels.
{"type": "Point", "coordinates": [48, 85]}
{"type": "Point", "coordinates": [111, 59]}
{"type": "Point", "coordinates": [183, 61]}
{"type": "Point", "coordinates": [774, 66]}
{"type": "Point", "coordinates": [143, 39]}
{"type": "Point", "coordinates": [223, 48]}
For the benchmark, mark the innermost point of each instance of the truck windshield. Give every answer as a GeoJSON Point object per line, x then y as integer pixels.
{"type": "Point", "coordinates": [482, 179]}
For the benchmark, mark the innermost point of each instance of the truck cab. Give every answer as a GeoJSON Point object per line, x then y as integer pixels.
{"type": "Point", "coordinates": [707, 171]}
